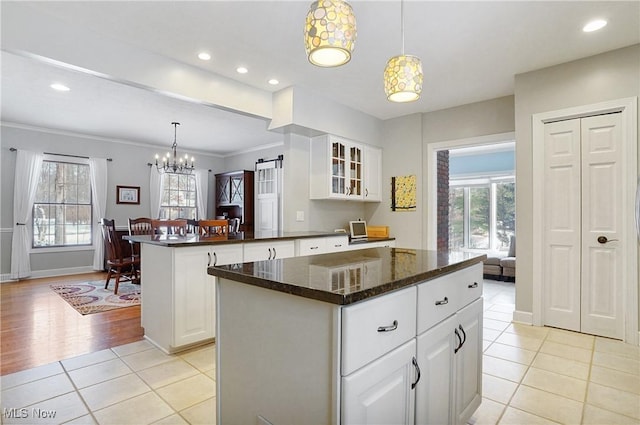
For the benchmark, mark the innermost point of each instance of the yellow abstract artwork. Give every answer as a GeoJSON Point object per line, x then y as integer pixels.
{"type": "Point", "coordinates": [403, 193]}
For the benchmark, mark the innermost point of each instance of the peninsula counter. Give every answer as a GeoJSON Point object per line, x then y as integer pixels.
{"type": "Point", "coordinates": [383, 335]}
{"type": "Point", "coordinates": [178, 296]}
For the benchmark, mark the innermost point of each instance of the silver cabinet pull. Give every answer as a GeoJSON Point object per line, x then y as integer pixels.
{"type": "Point", "coordinates": [314, 247]}
{"type": "Point", "coordinates": [366, 192]}
{"type": "Point", "coordinates": [464, 335]}
{"type": "Point", "coordinates": [274, 253]}
{"type": "Point", "coordinates": [415, 364]}
{"type": "Point", "coordinates": [473, 285]}
{"type": "Point", "coordinates": [390, 328]}
{"type": "Point", "coordinates": [455, 350]}
{"type": "Point", "coordinates": [337, 246]}
{"type": "Point", "coordinates": [269, 253]}
{"type": "Point", "coordinates": [215, 259]}
{"type": "Point", "coordinates": [208, 259]}
{"type": "Point", "coordinates": [443, 301]}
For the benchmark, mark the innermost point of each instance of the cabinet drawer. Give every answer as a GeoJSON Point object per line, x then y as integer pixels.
{"type": "Point", "coordinates": [337, 243]}
{"type": "Point", "coordinates": [226, 254]}
{"type": "Point", "coordinates": [373, 328]}
{"type": "Point", "coordinates": [311, 246]}
{"type": "Point", "coordinates": [438, 299]}
{"type": "Point", "coordinates": [470, 281]}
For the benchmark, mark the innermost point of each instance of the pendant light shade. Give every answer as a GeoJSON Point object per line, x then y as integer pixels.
{"type": "Point", "coordinates": [403, 78]}
{"type": "Point", "coordinates": [330, 33]}
{"type": "Point", "coordinates": [403, 74]}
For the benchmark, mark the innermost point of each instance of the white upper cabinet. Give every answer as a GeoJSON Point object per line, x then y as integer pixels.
{"type": "Point", "coordinates": [338, 170]}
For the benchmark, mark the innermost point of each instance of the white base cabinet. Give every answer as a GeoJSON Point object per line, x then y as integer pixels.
{"type": "Point", "coordinates": [379, 361]}
{"type": "Point", "coordinates": [450, 359]}
{"type": "Point", "coordinates": [381, 392]}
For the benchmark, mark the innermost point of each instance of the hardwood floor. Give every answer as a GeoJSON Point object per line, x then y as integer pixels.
{"type": "Point", "coordinates": [38, 327]}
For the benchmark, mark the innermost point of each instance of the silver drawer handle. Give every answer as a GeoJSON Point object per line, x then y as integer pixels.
{"type": "Point", "coordinates": [393, 327]}
{"type": "Point", "coordinates": [474, 285]}
{"type": "Point", "coordinates": [338, 246]}
{"type": "Point", "coordinates": [443, 302]}
{"type": "Point", "coordinates": [314, 247]}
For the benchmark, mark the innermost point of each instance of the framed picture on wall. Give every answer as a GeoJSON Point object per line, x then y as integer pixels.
{"type": "Point", "coordinates": [128, 195]}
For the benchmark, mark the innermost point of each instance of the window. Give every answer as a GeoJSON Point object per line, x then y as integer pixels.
{"type": "Point", "coordinates": [481, 213]}
{"type": "Point", "coordinates": [62, 210]}
{"type": "Point", "coordinates": [178, 197]}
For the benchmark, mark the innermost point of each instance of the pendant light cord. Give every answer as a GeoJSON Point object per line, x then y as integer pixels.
{"type": "Point", "coordinates": [402, 23]}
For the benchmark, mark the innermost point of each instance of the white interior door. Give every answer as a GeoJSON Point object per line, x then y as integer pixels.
{"type": "Point", "coordinates": [602, 218]}
{"type": "Point", "coordinates": [267, 184]}
{"type": "Point", "coordinates": [562, 224]}
{"type": "Point", "coordinates": [582, 260]}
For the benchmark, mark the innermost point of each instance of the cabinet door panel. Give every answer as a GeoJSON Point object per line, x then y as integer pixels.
{"type": "Point", "coordinates": [469, 362]}
{"type": "Point", "coordinates": [193, 297]}
{"type": "Point", "coordinates": [222, 255]}
{"type": "Point", "coordinates": [380, 393]}
{"type": "Point", "coordinates": [434, 392]}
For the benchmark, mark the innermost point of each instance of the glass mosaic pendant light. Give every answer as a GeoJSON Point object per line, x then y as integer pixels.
{"type": "Point", "coordinates": [403, 73]}
{"type": "Point", "coordinates": [330, 33]}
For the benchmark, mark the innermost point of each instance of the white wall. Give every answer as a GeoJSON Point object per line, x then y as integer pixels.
{"type": "Point", "coordinates": [608, 76]}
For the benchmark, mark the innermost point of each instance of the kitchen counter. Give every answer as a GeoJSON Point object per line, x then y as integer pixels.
{"type": "Point", "coordinates": [241, 237]}
{"type": "Point", "coordinates": [379, 335]}
{"type": "Point", "coordinates": [395, 268]}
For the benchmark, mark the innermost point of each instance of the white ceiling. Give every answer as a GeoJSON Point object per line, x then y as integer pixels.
{"type": "Point", "coordinates": [470, 52]}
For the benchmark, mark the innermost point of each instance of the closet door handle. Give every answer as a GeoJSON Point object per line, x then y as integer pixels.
{"type": "Point", "coordinates": [603, 240]}
{"type": "Point", "coordinates": [415, 364]}
{"type": "Point", "coordinates": [389, 328]}
{"type": "Point", "coordinates": [455, 350]}
{"type": "Point", "coordinates": [443, 301]}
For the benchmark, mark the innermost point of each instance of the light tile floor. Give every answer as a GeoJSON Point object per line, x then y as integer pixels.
{"type": "Point", "coordinates": [531, 375]}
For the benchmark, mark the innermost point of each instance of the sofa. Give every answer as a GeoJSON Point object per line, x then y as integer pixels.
{"type": "Point", "coordinates": [502, 268]}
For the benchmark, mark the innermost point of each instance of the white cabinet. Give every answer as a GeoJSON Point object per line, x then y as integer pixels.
{"type": "Point", "coordinates": [338, 169]}
{"type": "Point", "coordinates": [381, 392]}
{"type": "Point", "coordinates": [372, 174]}
{"type": "Point", "coordinates": [313, 246]}
{"type": "Point", "coordinates": [450, 359]}
{"type": "Point", "coordinates": [268, 250]}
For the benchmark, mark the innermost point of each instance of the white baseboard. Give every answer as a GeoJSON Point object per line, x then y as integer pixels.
{"type": "Point", "coordinates": [50, 273]}
{"type": "Point", "coordinates": [523, 317]}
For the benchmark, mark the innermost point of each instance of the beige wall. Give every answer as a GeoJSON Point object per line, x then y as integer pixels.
{"type": "Point", "coordinates": [608, 76]}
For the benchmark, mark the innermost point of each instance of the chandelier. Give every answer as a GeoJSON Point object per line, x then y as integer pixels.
{"type": "Point", "coordinates": [403, 74]}
{"type": "Point", "coordinates": [330, 33]}
{"type": "Point", "coordinates": [173, 164]}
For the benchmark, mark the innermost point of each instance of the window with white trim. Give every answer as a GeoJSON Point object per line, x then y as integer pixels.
{"type": "Point", "coordinates": [62, 209]}
{"type": "Point", "coordinates": [482, 213]}
{"type": "Point", "coordinates": [178, 197]}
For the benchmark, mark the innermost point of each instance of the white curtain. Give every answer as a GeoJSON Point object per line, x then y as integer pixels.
{"type": "Point", "coordinates": [156, 186]}
{"type": "Point", "coordinates": [202, 191]}
{"type": "Point", "coordinates": [28, 168]}
{"type": "Point", "coordinates": [98, 173]}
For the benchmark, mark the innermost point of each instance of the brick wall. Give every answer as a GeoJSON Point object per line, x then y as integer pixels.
{"type": "Point", "coordinates": [443, 200]}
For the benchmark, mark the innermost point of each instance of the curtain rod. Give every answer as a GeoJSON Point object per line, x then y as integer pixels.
{"type": "Point", "coordinates": [62, 154]}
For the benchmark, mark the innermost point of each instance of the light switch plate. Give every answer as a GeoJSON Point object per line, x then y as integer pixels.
{"type": "Point", "coordinates": [299, 215]}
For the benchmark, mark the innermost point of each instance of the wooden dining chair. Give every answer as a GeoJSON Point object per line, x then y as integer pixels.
{"type": "Point", "coordinates": [169, 227]}
{"type": "Point", "coordinates": [192, 226]}
{"type": "Point", "coordinates": [139, 226]}
{"type": "Point", "coordinates": [124, 268]}
{"type": "Point", "coordinates": [213, 227]}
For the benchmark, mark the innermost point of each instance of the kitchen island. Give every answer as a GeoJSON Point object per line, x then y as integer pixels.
{"type": "Point", "coordinates": [383, 335]}
{"type": "Point", "coordinates": [178, 296]}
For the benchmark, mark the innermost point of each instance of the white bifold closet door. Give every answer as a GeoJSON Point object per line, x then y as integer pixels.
{"type": "Point", "coordinates": [583, 218]}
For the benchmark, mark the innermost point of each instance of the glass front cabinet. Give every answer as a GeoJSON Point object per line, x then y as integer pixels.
{"type": "Point", "coordinates": [338, 169]}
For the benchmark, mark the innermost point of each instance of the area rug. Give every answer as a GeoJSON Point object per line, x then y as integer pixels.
{"type": "Point", "coordinates": [91, 297]}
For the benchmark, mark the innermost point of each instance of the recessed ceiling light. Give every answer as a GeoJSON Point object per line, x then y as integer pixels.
{"type": "Point", "coordinates": [59, 87]}
{"type": "Point", "coordinates": [204, 56]}
{"type": "Point", "coordinates": [594, 25]}
{"type": "Point", "coordinates": [242, 70]}
{"type": "Point", "coordinates": [274, 82]}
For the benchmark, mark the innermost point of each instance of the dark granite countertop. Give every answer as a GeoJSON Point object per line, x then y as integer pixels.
{"type": "Point", "coordinates": [240, 237]}
{"type": "Point", "coordinates": [348, 277]}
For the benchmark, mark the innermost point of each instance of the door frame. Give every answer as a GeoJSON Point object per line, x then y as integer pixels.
{"type": "Point", "coordinates": [628, 108]}
{"type": "Point", "coordinates": [430, 177]}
